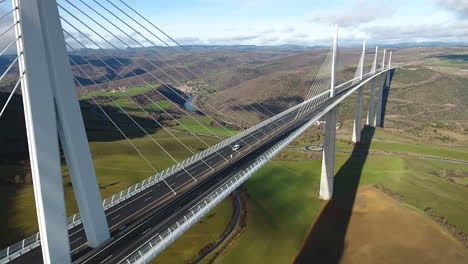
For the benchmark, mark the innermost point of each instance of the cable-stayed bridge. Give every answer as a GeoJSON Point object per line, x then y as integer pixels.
{"type": "Point", "coordinates": [136, 224]}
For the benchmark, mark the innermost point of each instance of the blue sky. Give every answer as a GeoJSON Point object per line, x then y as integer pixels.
{"type": "Point", "coordinates": [306, 22]}
{"type": "Point", "coordinates": [309, 21]}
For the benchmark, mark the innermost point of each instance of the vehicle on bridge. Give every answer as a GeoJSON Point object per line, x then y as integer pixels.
{"type": "Point", "coordinates": [236, 147]}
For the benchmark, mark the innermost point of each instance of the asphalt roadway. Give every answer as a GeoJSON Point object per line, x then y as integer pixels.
{"type": "Point", "coordinates": [143, 216]}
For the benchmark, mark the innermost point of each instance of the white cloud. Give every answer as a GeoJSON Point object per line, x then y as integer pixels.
{"type": "Point", "coordinates": [287, 29]}
{"type": "Point", "coordinates": [460, 7]}
{"type": "Point", "coordinates": [446, 32]}
{"type": "Point", "coordinates": [360, 13]}
{"type": "Point", "coordinates": [234, 39]}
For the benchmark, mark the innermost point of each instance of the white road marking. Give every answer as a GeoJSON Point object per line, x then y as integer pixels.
{"type": "Point", "coordinates": [115, 217]}
{"type": "Point", "coordinates": [76, 240]}
{"type": "Point", "coordinates": [106, 259]}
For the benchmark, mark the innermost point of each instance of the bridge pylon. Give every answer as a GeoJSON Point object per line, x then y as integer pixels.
{"type": "Point", "coordinates": [328, 158]}
{"type": "Point", "coordinates": [51, 111]}
{"type": "Point", "coordinates": [358, 114]}
{"type": "Point", "coordinates": [370, 112]}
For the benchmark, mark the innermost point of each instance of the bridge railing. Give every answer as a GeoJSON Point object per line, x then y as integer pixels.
{"type": "Point", "coordinates": [33, 241]}
{"type": "Point", "coordinates": [159, 242]}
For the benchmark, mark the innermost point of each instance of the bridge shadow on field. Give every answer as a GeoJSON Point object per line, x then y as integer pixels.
{"type": "Point", "coordinates": [325, 242]}
{"type": "Point", "coordinates": [386, 94]}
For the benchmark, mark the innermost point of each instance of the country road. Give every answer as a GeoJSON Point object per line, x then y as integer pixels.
{"type": "Point", "coordinates": [318, 148]}
{"type": "Point", "coordinates": [237, 208]}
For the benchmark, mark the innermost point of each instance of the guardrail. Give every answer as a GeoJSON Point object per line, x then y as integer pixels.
{"type": "Point", "coordinates": [33, 241]}
{"type": "Point", "coordinates": [159, 242]}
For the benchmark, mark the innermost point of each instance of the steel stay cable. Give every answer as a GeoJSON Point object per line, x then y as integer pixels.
{"type": "Point", "coordinates": [123, 134]}
{"type": "Point", "coordinates": [125, 23]}
{"type": "Point", "coordinates": [193, 73]}
{"type": "Point", "coordinates": [149, 72]}
{"type": "Point", "coordinates": [144, 130]}
{"type": "Point", "coordinates": [9, 45]}
{"type": "Point", "coordinates": [99, 46]}
{"type": "Point", "coordinates": [169, 37]}
{"type": "Point", "coordinates": [188, 79]}
{"type": "Point", "coordinates": [157, 122]}
{"type": "Point", "coordinates": [312, 88]}
{"type": "Point", "coordinates": [9, 28]}
{"type": "Point", "coordinates": [10, 67]}
{"type": "Point", "coordinates": [323, 85]}
{"type": "Point", "coordinates": [18, 82]}
{"type": "Point", "coordinates": [172, 117]}
{"type": "Point", "coordinates": [118, 28]}
{"type": "Point", "coordinates": [139, 43]}
{"type": "Point", "coordinates": [316, 86]}
{"type": "Point", "coordinates": [7, 13]}
{"type": "Point", "coordinates": [136, 75]}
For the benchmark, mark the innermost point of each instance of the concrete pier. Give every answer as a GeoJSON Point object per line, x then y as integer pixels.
{"type": "Point", "coordinates": [358, 118]}
{"type": "Point", "coordinates": [328, 158]}
{"type": "Point", "coordinates": [378, 112]}
{"type": "Point", "coordinates": [370, 112]}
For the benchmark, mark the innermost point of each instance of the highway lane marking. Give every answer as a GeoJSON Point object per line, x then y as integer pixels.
{"type": "Point", "coordinates": [138, 248]}
{"type": "Point", "coordinates": [114, 226]}
{"type": "Point", "coordinates": [79, 247]}
{"type": "Point", "coordinates": [115, 217]}
{"type": "Point", "coordinates": [148, 198]}
{"type": "Point", "coordinates": [118, 239]}
{"type": "Point", "coordinates": [146, 231]}
{"type": "Point", "coordinates": [75, 240]}
{"type": "Point", "coordinates": [135, 213]}
{"type": "Point", "coordinates": [134, 198]}
{"type": "Point", "coordinates": [106, 259]}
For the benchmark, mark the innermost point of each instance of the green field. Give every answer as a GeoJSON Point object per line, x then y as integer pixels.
{"type": "Point", "coordinates": [130, 105]}
{"type": "Point", "coordinates": [129, 92]}
{"type": "Point", "coordinates": [280, 208]}
{"type": "Point", "coordinates": [283, 205]}
{"type": "Point", "coordinates": [209, 229]}
{"type": "Point", "coordinates": [193, 126]}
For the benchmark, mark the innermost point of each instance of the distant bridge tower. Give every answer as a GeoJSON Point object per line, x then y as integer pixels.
{"type": "Point", "coordinates": [358, 113]}
{"type": "Point", "coordinates": [328, 159]}
{"type": "Point", "coordinates": [51, 110]}
{"type": "Point", "coordinates": [370, 112]}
